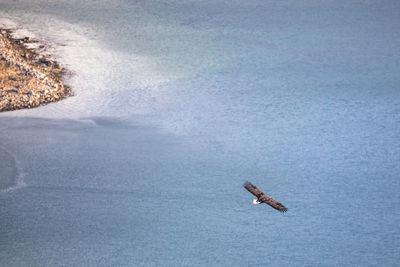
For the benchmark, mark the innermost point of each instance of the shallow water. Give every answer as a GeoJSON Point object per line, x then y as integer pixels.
{"type": "Point", "coordinates": [177, 104]}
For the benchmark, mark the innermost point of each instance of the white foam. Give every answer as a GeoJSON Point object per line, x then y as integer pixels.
{"type": "Point", "coordinates": [7, 23]}
{"type": "Point", "coordinates": [19, 183]}
{"type": "Point", "coordinates": [119, 66]}
{"type": "Point", "coordinates": [18, 179]}
{"type": "Point", "coordinates": [100, 78]}
{"type": "Point", "coordinates": [17, 30]}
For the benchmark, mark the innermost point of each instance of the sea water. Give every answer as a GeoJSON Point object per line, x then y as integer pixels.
{"type": "Point", "coordinates": [176, 104]}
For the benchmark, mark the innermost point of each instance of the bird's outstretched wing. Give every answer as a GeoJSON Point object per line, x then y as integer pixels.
{"type": "Point", "coordinates": [273, 203]}
{"type": "Point", "coordinates": [253, 189]}
{"type": "Point", "coordinates": [263, 198]}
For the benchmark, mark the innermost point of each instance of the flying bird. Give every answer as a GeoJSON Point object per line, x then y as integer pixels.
{"type": "Point", "coordinates": [263, 198]}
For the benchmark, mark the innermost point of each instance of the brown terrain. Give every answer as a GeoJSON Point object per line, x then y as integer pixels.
{"type": "Point", "coordinates": [27, 79]}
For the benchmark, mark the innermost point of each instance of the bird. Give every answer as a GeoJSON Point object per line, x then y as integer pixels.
{"type": "Point", "coordinates": [263, 198]}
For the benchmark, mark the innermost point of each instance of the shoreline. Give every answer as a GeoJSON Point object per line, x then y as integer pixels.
{"type": "Point", "coordinates": [28, 78]}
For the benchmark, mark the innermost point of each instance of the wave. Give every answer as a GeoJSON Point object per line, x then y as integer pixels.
{"type": "Point", "coordinates": [11, 174]}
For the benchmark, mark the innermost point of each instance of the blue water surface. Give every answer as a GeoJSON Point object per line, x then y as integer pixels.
{"type": "Point", "coordinates": [177, 103]}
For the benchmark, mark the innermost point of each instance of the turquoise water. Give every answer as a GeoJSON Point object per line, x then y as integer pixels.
{"type": "Point", "coordinates": [176, 104]}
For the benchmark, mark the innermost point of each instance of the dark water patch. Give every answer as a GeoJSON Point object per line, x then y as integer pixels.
{"type": "Point", "coordinates": [83, 190]}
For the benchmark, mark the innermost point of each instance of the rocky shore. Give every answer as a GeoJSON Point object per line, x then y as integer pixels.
{"type": "Point", "coordinates": [27, 78]}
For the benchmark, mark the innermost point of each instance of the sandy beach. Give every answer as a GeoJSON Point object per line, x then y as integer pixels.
{"type": "Point", "coordinates": [27, 77]}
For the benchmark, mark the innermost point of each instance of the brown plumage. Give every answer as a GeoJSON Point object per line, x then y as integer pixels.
{"type": "Point", "coordinates": [263, 198]}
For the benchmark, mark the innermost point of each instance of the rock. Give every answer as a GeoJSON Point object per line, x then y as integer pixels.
{"type": "Point", "coordinates": [26, 81]}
